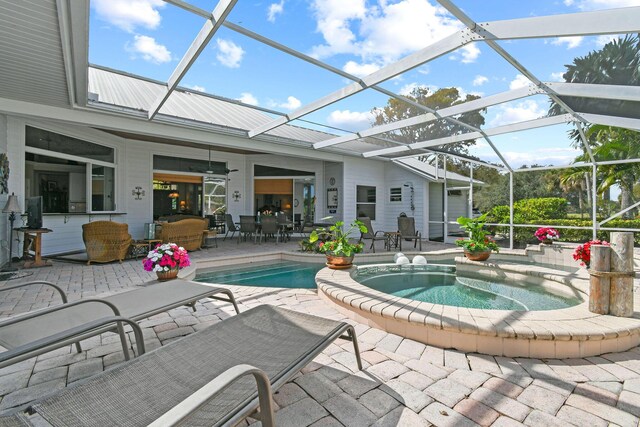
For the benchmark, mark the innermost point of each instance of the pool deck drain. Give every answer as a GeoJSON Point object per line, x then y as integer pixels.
{"type": "Point", "coordinates": [563, 333]}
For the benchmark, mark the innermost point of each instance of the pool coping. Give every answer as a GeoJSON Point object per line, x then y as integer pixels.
{"type": "Point", "coordinates": [563, 333]}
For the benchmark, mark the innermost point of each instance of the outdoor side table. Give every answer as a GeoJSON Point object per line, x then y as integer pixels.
{"type": "Point", "coordinates": [142, 247]}
{"type": "Point", "coordinates": [393, 238]}
{"type": "Point", "coordinates": [33, 240]}
{"type": "Point", "coordinates": [209, 238]}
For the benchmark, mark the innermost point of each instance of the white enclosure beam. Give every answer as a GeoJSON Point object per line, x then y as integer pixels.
{"type": "Point", "coordinates": [466, 107]}
{"type": "Point", "coordinates": [219, 14]}
{"type": "Point", "coordinates": [454, 156]}
{"type": "Point", "coordinates": [407, 63]}
{"type": "Point", "coordinates": [515, 127]}
{"type": "Point", "coordinates": [613, 21]}
{"type": "Point", "coordinates": [622, 122]}
{"type": "Point", "coordinates": [585, 90]}
{"type": "Point", "coordinates": [622, 212]}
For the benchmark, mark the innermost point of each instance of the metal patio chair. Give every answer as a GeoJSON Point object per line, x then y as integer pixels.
{"type": "Point", "coordinates": [248, 228]}
{"type": "Point", "coordinates": [269, 227]}
{"type": "Point", "coordinates": [407, 230]}
{"type": "Point", "coordinates": [231, 226]}
{"type": "Point", "coordinates": [371, 235]}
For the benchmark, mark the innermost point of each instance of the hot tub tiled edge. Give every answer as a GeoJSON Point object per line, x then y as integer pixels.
{"type": "Point", "coordinates": [566, 333]}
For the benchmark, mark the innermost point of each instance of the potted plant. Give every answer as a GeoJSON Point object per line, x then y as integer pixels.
{"type": "Point", "coordinates": [335, 243]}
{"type": "Point", "coordinates": [479, 245]}
{"type": "Point", "coordinates": [583, 252]}
{"type": "Point", "coordinates": [166, 260]}
{"type": "Point", "coordinates": [547, 235]}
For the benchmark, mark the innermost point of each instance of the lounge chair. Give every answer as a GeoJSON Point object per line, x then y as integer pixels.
{"type": "Point", "coordinates": [202, 379]}
{"type": "Point", "coordinates": [371, 235]}
{"type": "Point", "coordinates": [407, 230]}
{"type": "Point", "coordinates": [54, 327]}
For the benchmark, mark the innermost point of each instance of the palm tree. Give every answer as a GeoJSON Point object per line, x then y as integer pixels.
{"type": "Point", "coordinates": [576, 179]}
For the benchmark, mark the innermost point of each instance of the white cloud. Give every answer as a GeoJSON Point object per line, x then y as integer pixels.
{"type": "Point", "coordinates": [248, 98]}
{"type": "Point", "coordinates": [229, 53]}
{"type": "Point", "coordinates": [382, 32]}
{"type": "Point", "coordinates": [197, 87]}
{"type": "Point", "coordinates": [601, 4]}
{"type": "Point", "coordinates": [479, 80]}
{"type": "Point", "coordinates": [518, 82]}
{"type": "Point", "coordinates": [509, 113]}
{"type": "Point", "coordinates": [466, 54]}
{"type": "Point", "coordinates": [129, 14]}
{"type": "Point", "coordinates": [291, 104]}
{"type": "Point", "coordinates": [602, 40]}
{"type": "Point", "coordinates": [350, 120]}
{"type": "Point", "coordinates": [557, 77]}
{"type": "Point", "coordinates": [274, 10]}
{"type": "Point", "coordinates": [360, 70]}
{"type": "Point", "coordinates": [409, 87]}
{"type": "Point", "coordinates": [149, 49]}
{"type": "Point", "coordinates": [571, 42]}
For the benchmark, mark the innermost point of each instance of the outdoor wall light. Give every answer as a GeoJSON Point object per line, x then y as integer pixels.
{"type": "Point", "coordinates": [174, 195]}
{"type": "Point", "coordinates": [410, 185]}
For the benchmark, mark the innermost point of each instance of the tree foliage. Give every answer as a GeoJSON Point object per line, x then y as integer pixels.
{"type": "Point", "coordinates": [396, 110]}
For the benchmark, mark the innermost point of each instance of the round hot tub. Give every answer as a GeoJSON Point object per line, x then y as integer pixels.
{"type": "Point", "coordinates": [497, 308]}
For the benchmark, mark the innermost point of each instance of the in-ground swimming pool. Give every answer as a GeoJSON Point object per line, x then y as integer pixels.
{"type": "Point", "coordinates": [440, 285]}
{"type": "Point", "coordinates": [276, 274]}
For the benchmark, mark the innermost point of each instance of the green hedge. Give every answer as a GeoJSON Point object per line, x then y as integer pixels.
{"type": "Point", "coordinates": [551, 211]}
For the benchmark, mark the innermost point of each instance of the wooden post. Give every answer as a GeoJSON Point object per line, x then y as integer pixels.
{"type": "Point", "coordinates": [621, 299]}
{"type": "Point", "coordinates": [599, 284]}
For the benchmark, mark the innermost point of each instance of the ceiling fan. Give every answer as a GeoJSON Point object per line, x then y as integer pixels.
{"type": "Point", "coordinates": [209, 170]}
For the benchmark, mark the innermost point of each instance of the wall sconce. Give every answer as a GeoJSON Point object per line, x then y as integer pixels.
{"type": "Point", "coordinates": [236, 196]}
{"type": "Point", "coordinates": [410, 185]}
{"type": "Point", "coordinates": [138, 192]}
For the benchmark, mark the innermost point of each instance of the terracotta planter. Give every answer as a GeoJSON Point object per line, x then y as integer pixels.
{"type": "Point", "coordinates": [339, 262]}
{"type": "Point", "coordinates": [477, 256]}
{"type": "Point", "coordinates": [167, 275]}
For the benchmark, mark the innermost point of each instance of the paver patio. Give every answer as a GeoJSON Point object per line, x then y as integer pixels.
{"type": "Point", "coordinates": [404, 382]}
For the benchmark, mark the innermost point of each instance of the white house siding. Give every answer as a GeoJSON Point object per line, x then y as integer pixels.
{"type": "Point", "coordinates": [436, 210]}
{"type": "Point", "coordinates": [364, 172]}
{"type": "Point", "coordinates": [333, 170]}
{"type": "Point", "coordinates": [396, 177]}
{"type": "Point", "coordinates": [458, 206]}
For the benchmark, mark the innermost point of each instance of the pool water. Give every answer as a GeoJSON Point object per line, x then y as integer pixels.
{"type": "Point", "coordinates": [274, 274]}
{"type": "Point", "coordinates": [440, 285]}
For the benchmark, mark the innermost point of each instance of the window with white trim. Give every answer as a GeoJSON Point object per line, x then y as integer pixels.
{"type": "Point", "coordinates": [366, 201]}
{"type": "Point", "coordinates": [395, 194]}
{"type": "Point", "coordinates": [71, 175]}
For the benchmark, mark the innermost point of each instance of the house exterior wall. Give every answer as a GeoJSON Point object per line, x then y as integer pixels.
{"type": "Point", "coordinates": [134, 168]}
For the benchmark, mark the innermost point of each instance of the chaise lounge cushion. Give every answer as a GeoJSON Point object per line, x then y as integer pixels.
{"type": "Point", "coordinates": [273, 339]}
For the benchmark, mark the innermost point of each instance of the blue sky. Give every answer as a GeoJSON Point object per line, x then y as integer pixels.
{"type": "Point", "coordinates": [148, 38]}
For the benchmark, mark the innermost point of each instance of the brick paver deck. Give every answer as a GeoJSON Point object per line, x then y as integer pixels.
{"type": "Point", "coordinates": [404, 383]}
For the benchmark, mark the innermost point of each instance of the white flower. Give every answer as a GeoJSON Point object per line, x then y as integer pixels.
{"type": "Point", "coordinates": [157, 268]}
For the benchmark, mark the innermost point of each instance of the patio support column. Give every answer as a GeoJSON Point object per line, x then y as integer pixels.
{"type": "Point", "coordinates": [510, 210]}
{"type": "Point", "coordinates": [470, 190]}
{"type": "Point", "coordinates": [594, 203]}
{"type": "Point", "coordinates": [446, 201]}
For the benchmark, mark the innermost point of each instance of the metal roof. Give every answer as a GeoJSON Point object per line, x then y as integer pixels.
{"type": "Point", "coordinates": [32, 67]}
{"type": "Point", "coordinates": [119, 89]}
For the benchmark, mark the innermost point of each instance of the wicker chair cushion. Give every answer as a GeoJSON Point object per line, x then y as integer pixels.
{"type": "Point", "coordinates": [106, 240]}
{"type": "Point", "coordinates": [186, 233]}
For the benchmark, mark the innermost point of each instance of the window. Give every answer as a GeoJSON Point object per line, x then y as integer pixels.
{"type": "Point", "coordinates": [366, 201]}
{"type": "Point", "coordinates": [71, 175]}
{"type": "Point", "coordinates": [395, 194]}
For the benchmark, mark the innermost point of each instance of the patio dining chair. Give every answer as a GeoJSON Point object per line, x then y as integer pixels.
{"type": "Point", "coordinates": [407, 230]}
{"type": "Point", "coordinates": [269, 227]}
{"type": "Point", "coordinates": [370, 234]}
{"type": "Point", "coordinates": [285, 225]}
{"type": "Point", "coordinates": [231, 226]}
{"type": "Point", "coordinates": [248, 228]}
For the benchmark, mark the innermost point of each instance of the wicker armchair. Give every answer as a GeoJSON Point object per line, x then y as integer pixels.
{"type": "Point", "coordinates": [187, 233]}
{"type": "Point", "coordinates": [106, 241]}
